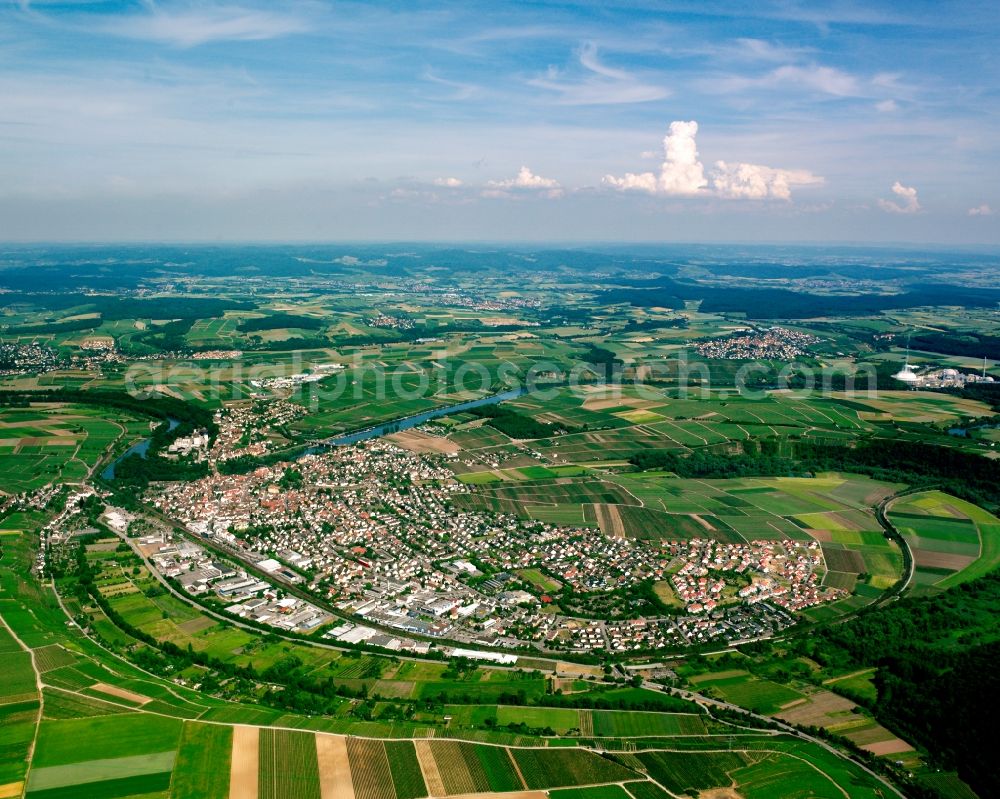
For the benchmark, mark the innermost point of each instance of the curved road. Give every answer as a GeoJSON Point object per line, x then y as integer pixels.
{"type": "Point", "coordinates": [708, 702]}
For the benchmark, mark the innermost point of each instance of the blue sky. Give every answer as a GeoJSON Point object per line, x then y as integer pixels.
{"type": "Point", "coordinates": [673, 121]}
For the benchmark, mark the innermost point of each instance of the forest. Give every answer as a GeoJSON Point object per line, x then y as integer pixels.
{"type": "Point", "coordinates": [937, 679]}
{"type": "Point", "coordinates": [969, 476]}
{"type": "Point", "coordinates": [780, 303]}
{"type": "Point", "coordinates": [514, 424]}
{"type": "Point", "coordinates": [965, 343]}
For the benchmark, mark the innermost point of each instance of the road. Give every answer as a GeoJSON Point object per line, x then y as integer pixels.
{"type": "Point", "coordinates": [708, 702]}
{"type": "Point", "coordinates": [881, 511]}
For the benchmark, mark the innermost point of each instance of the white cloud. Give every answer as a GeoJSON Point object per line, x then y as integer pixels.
{"type": "Point", "coordinates": [887, 106]}
{"type": "Point", "coordinates": [459, 90]}
{"type": "Point", "coordinates": [681, 173]}
{"type": "Point", "coordinates": [811, 78]}
{"type": "Point", "coordinates": [981, 210]}
{"type": "Point", "coordinates": [450, 183]}
{"type": "Point", "coordinates": [190, 28]}
{"type": "Point", "coordinates": [907, 194]}
{"type": "Point", "coordinates": [602, 85]}
{"type": "Point", "coordinates": [762, 50]}
{"type": "Point", "coordinates": [756, 182]}
{"type": "Point", "coordinates": [826, 80]}
{"type": "Point", "coordinates": [526, 180]}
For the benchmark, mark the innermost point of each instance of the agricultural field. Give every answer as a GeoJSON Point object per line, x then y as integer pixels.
{"type": "Point", "coordinates": [952, 541]}
{"type": "Point", "coordinates": [561, 720]}
{"type": "Point", "coordinates": [72, 756]}
{"type": "Point", "coordinates": [19, 711]}
{"type": "Point", "coordinates": [289, 768]}
{"type": "Point", "coordinates": [202, 765]}
{"type": "Point", "coordinates": [623, 724]}
{"type": "Point", "coordinates": [841, 716]}
{"type": "Point", "coordinates": [690, 772]}
{"type": "Point", "coordinates": [925, 407]}
{"type": "Point", "coordinates": [743, 689]}
{"type": "Point", "coordinates": [552, 768]}
{"type": "Point", "coordinates": [608, 426]}
{"type": "Point", "coordinates": [53, 444]}
{"type": "Point", "coordinates": [595, 792]}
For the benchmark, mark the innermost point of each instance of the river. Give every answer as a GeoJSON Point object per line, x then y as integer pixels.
{"type": "Point", "coordinates": [405, 423]}
{"type": "Point", "coordinates": [139, 448]}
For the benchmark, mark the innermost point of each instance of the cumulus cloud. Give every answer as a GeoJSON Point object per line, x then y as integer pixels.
{"type": "Point", "coordinates": [757, 182]}
{"type": "Point", "coordinates": [681, 173]}
{"type": "Point", "coordinates": [909, 204]}
{"type": "Point", "coordinates": [981, 210]}
{"type": "Point", "coordinates": [190, 28]}
{"type": "Point", "coordinates": [525, 181]}
{"type": "Point", "coordinates": [448, 183]}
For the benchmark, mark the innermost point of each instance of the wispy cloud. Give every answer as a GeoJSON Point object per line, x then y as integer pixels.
{"type": "Point", "coordinates": [812, 78]}
{"type": "Point", "coordinates": [459, 89]}
{"type": "Point", "coordinates": [762, 50]}
{"type": "Point", "coordinates": [981, 210]}
{"type": "Point", "coordinates": [600, 83]}
{"type": "Point", "coordinates": [199, 25]}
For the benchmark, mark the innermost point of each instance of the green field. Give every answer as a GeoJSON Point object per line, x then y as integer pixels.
{"type": "Point", "coordinates": [558, 719]}
{"type": "Point", "coordinates": [689, 771]}
{"type": "Point", "coordinates": [616, 723]}
{"type": "Point", "coordinates": [202, 767]}
{"type": "Point", "coordinates": [17, 731]}
{"type": "Point", "coordinates": [953, 541]}
{"type": "Point", "coordinates": [545, 768]}
{"type": "Point", "coordinates": [407, 778]}
{"type": "Point", "coordinates": [81, 740]}
{"type": "Point", "coordinates": [745, 690]}
{"type": "Point", "coordinates": [60, 445]}
{"type": "Point", "coordinates": [288, 765]}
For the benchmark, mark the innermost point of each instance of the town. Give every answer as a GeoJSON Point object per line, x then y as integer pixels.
{"type": "Point", "coordinates": [372, 531]}
{"type": "Point", "coordinates": [770, 344]}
